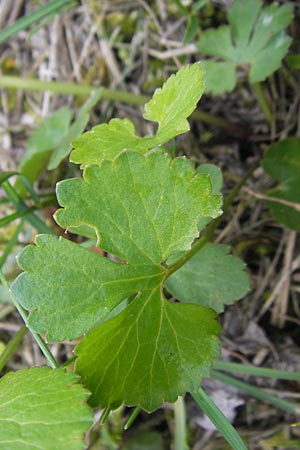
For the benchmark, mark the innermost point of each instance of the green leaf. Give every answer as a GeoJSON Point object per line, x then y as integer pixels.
{"type": "Point", "coordinates": [212, 278]}
{"type": "Point", "coordinates": [254, 39]}
{"type": "Point", "coordinates": [242, 17]}
{"type": "Point", "coordinates": [282, 162]}
{"type": "Point", "coordinates": [43, 408]}
{"type": "Point", "coordinates": [191, 29]}
{"type": "Point", "coordinates": [75, 130]}
{"type": "Point", "coordinates": [169, 107]}
{"type": "Point", "coordinates": [51, 142]}
{"type": "Point", "coordinates": [215, 174]}
{"type": "Point", "coordinates": [267, 61]}
{"type": "Point", "coordinates": [219, 76]}
{"type": "Point", "coordinates": [216, 178]}
{"type": "Point", "coordinates": [150, 214]}
{"type": "Point", "coordinates": [107, 140]}
{"type": "Point", "coordinates": [151, 352]}
{"type": "Point", "coordinates": [40, 145]}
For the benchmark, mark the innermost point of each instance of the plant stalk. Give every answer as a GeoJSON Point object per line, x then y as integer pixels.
{"type": "Point", "coordinates": [65, 88]}
{"type": "Point", "coordinates": [257, 87]}
{"type": "Point", "coordinates": [180, 425]}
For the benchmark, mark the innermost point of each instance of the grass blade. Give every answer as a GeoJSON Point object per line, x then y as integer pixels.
{"type": "Point", "coordinates": [248, 369]}
{"type": "Point", "coordinates": [219, 420]}
{"type": "Point", "coordinates": [21, 206]}
{"type": "Point", "coordinates": [50, 8]}
{"type": "Point", "coordinates": [12, 346]}
{"type": "Point", "coordinates": [257, 393]}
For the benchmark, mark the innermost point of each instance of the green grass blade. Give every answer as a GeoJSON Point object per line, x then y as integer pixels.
{"type": "Point", "coordinates": [16, 215]}
{"type": "Point", "coordinates": [247, 369]}
{"type": "Point", "coordinates": [53, 7]}
{"type": "Point", "coordinates": [9, 248]}
{"type": "Point", "coordinates": [5, 176]}
{"type": "Point", "coordinates": [12, 346]}
{"type": "Point", "coordinates": [219, 420]}
{"type": "Point", "coordinates": [21, 206]}
{"type": "Point", "coordinates": [257, 393]}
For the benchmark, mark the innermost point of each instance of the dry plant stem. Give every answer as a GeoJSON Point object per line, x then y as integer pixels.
{"type": "Point", "coordinates": [32, 84]}
{"type": "Point", "coordinates": [277, 289]}
{"type": "Point", "coordinates": [281, 303]}
{"type": "Point", "coordinates": [270, 272]}
{"type": "Point", "coordinates": [209, 232]}
{"type": "Point", "coordinates": [295, 206]}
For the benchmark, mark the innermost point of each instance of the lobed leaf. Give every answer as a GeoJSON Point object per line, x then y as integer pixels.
{"type": "Point", "coordinates": [43, 408]}
{"type": "Point", "coordinates": [282, 162]}
{"type": "Point", "coordinates": [211, 278]}
{"type": "Point", "coordinates": [169, 107]}
{"type": "Point", "coordinates": [70, 289]}
{"type": "Point", "coordinates": [151, 213]}
{"type": "Point", "coordinates": [254, 39]}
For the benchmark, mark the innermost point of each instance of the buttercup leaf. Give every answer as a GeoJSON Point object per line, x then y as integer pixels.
{"type": "Point", "coordinates": [169, 107]}
{"type": "Point", "coordinates": [43, 408]}
{"type": "Point", "coordinates": [254, 39]}
{"type": "Point", "coordinates": [151, 213]}
{"type": "Point", "coordinates": [57, 270]}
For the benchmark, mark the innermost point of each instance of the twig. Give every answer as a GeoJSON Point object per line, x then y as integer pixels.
{"type": "Point", "coordinates": [295, 206]}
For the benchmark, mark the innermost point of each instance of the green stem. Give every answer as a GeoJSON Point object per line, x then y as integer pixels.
{"type": "Point", "coordinates": [211, 228]}
{"type": "Point", "coordinates": [257, 392]}
{"type": "Point", "coordinates": [104, 416]}
{"type": "Point", "coordinates": [41, 343]}
{"type": "Point", "coordinates": [65, 88]}
{"type": "Point", "coordinates": [132, 418]}
{"type": "Point", "coordinates": [247, 369]}
{"type": "Point", "coordinates": [53, 7]}
{"type": "Point", "coordinates": [219, 420]}
{"type": "Point", "coordinates": [257, 87]}
{"type": "Point", "coordinates": [180, 425]}
{"type": "Point", "coordinates": [12, 346]}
